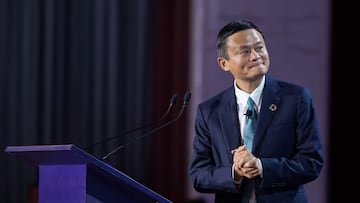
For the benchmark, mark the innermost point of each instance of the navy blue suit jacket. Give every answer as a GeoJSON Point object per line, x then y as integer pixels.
{"type": "Point", "coordinates": [287, 141]}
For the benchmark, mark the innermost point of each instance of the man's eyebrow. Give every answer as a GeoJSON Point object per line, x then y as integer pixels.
{"type": "Point", "coordinates": [251, 45]}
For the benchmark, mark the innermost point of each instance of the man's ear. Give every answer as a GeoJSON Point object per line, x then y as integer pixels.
{"type": "Point", "coordinates": [222, 63]}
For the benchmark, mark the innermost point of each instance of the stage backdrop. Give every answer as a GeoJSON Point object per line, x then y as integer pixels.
{"type": "Point", "coordinates": [81, 71]}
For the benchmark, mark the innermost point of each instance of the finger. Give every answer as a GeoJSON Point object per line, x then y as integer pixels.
{"type": "Point", "coordinates": [253, 172]}
{"type": "Point", "coordinates": [239, 149]}
{"type": "Point", "coordinates": [251, 163]}
{"type": "Point", "coordinates": [244, 160]}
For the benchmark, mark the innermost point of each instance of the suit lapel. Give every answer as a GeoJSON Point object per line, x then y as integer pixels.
{"type": "Point", "coordinates": [269, 106]}
{"type": "Point", "coordinates": [229, 122]}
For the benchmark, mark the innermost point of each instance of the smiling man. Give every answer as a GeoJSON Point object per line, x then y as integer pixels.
{"type": "Point", "coordinates": [271, 162]}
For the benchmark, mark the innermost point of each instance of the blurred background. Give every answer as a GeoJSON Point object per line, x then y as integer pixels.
{"type": "Point", "coordinates": [85, 71]}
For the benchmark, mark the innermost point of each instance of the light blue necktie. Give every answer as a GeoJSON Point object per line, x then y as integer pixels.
{"type": "Point", "coordinates": [250, 124]}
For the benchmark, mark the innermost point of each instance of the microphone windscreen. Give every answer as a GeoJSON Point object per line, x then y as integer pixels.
{"type": "Point", "coordinates": [187, 97]}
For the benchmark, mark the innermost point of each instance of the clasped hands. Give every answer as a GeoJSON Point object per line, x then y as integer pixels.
{"type": "Point", "coordinates": [245, 163]}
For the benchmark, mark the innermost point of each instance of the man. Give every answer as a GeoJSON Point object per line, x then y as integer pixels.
{"type": "Point", "coordinates": [285, 151]}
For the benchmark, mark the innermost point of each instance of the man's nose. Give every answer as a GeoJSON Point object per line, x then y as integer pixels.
{"type": "Point", "coordinates": [254, 55]}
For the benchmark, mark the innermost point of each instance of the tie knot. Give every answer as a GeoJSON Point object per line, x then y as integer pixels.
{"type": "Point", "coordinates": [251, 112]}
{"type": "Point", "coordinates": [251, 104]}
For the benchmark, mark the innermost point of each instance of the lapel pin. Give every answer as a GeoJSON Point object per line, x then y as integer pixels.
{"type": "Point", "coordinates": [273, 107]}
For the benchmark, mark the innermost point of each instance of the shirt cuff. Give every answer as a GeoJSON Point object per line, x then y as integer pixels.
{"type": "Point", "coordinates": [261, 168]}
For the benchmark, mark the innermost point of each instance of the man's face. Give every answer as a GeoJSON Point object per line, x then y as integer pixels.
{"type": "Point", "coordinates": [248, 59]}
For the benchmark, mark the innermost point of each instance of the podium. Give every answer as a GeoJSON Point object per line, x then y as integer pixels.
{"type": "Point", "coordinates": [69, 174]}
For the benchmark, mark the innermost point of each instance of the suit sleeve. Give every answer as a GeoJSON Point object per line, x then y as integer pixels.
{"type": "Point", "coordinates": [211, 165]}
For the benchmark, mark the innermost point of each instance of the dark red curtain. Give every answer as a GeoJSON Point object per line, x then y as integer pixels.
{"type": "Point", "coordinates": [84, 71]}
{"type": "Point", "coordinates": [171, 67]}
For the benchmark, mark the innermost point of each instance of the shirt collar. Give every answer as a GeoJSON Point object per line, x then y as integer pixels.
{"type": "Point", "coordinates": [242, 97]}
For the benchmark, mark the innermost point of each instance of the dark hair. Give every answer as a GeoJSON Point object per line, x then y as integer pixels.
{"type": "Point", "coordinates": [231, 28]}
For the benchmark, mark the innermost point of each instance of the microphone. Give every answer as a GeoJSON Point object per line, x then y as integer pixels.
{"type": "Point", "coordinates": [173, 101]}
{"type": "Point", "coordinates": [186, 99]}
{"type": "Point", "coordinates": [248, 113]}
